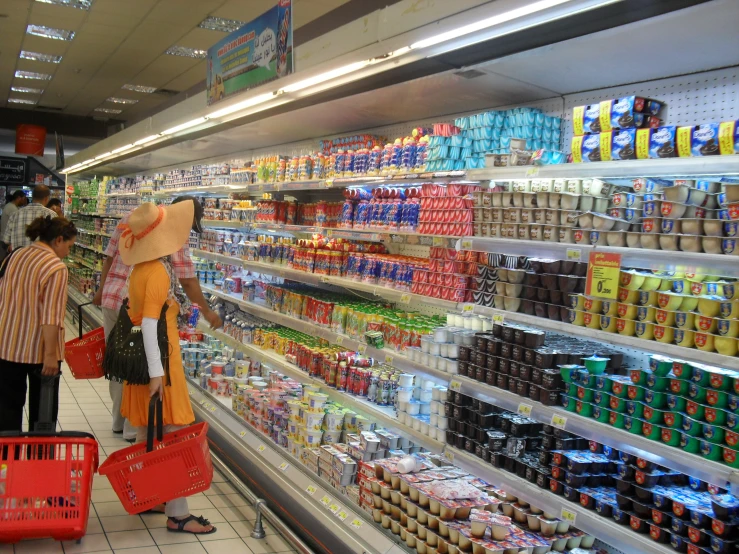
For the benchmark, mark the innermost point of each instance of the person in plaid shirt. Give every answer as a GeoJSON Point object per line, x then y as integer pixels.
{"type": "Point", "coordinates": [15, 233]}
{"type": "Point", "coordinates": [113, 291]}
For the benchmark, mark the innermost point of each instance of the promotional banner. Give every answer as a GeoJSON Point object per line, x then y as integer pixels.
{"type": "Point", "coordinates": [258, 52]}
{"type": "Point", "coordinates": [604, 270]}
{"type": "Point", "coordinates": [30, 139]}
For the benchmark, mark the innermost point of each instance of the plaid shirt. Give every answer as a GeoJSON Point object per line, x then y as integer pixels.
{"type": "Point", "coordinates": [115, 287]}
{"type": "Point", "coordinates": [15, 232]}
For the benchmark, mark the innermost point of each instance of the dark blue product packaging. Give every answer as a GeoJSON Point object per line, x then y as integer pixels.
{"type": "Point", "coordinates": [586, 119]}
{"type": "Point", "coordinates": [662, 142]}
{"type": "Point", "coordinates": [623, 145]}
{"type": "Point", "coordinates": [705, 140]}
{"type": "Point", "coordinates": [591, 148]}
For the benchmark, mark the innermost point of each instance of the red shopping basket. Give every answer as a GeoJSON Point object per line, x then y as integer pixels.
{"type": "Point", "coordinates": [85, 355]}
{"type": "Point", "coordinates": [146, 475]}
{"type": "Point", "coordinates": [45, 481]}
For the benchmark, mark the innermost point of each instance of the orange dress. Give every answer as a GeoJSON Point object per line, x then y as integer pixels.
{"type": "Point", "coordinates": [148, 290]}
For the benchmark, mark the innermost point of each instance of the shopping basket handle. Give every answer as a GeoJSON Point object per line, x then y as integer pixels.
{"type": "Point", "coordinates": [44, 423]}
{"type": "Point", "coordinates": [154, 402]}
{"type": "Point", "coordinates": [79, 315]}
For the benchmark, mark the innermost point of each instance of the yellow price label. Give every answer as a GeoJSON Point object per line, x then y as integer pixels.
{"type": "Point", "coordinates": [339, 340]}
{"type": "Point", "coordinates": [260, 187]}
{"type": "Point", "coordinates": [242, 434]}
{"type": "Point", "coordinates": [498, 318]}
{"type": "Point", "coordinates": [405, 298]}
{"type": "Point", "coordinates": [466, 244]}
{"type": "Point", "coordinates": [324, 279]}
{"type": "Point", "coordinates": [362, 349]}
{"type": "Point", "coordinates": [525, 409]}
{"type": "Point", "coordinates": [567, 515]}
{"type": "Point", "coordinates": [310, 489]}
{"type": "Point", "coordinates": [455, 385]}
{"type": "Point", "coordinates": [261, 448]}
{"type": "Point", "coordinates": [284, 466]}
{"type": "Point", "coordinates": [449, 455]}
{"type": "Point", "coordinates": [329, 183]}
{"type": "Point", "coordinates": [202, 402]}
{"type": "Point", "coordinates": [277, 186]}
{"type": "Point", "coordinates": [559, 421]}
{"type": "Point", "coordinates": [329, 232]}
{"type": "Point", "coordinates": [468, 308]}
{"type": "Point", "coordinates": [333, 508]}
{"type": "Point", "coordinates": [437, 241]}
{"type": "Point", "coordinates": [342, 515]}
{"type": "Point", "coordinates": [357, 523]}
{"type": "Point", "coordinates": [212, 409]}
{"type": "Point", "coordinates": [574, 254]}
{"type": "Point", "coordinates": [532, 172]}
{"type": "Point", "coordinates": [325, 500]}
{"type": "Point", "coordinates": [388, 359]}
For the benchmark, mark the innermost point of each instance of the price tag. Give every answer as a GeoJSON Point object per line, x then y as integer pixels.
{"type": "Point", "coordinates": [260, 187]}
{"type": "Point", "coordinates": [277, 186]}
{"type": "Point", "coordinates": [202, 402]}
{"type": "Point", "coordinates": [342, 515]}
{"type": "Point", "coordinates": [339, 340]}
{"type": "Point", "coordinates": [405, 298]}
{"type": "Point", "coordinates": [567, 515]}
{"type": "Point", "coordinates": [333, 508]}
{"type": "Point", "coordinates": [325, 500]}
{"type": "Point", "coordinates": [388, 359]}
{"type": "Point", "coordinates": [329, 183]}
{"type": "Point", "coordinates": [212, 409]}
{"type": "Point", "coordinates": [449, 455]}
{"type": "Point", "coordinates": [455, 385]}
{"type": "Point", "coordinates": [357, 523]}
{"type": "Point", "coordinates": [242, 434]}
{"type": "Point", "coordinates": [437, 241]}
{"type": "Point", "coordinates": [362, 349]}
{"type": "Point", "coordinates": [604, 272]}
{"type": "Point", "coordinates": [329, 232]}
{"type": "Point", "coordinates": [468, 308]}
{"type": "Point", "coordinates": [559, 421]}
{"type": "Point", "coordinates": [525, 409]}
{"type": "Point", "coordinates": [498, 318]}
{"type": "Point", "coordinates": [324, 279]}
{"type": "Point", "coordinates": [532, 172]}
{"type": "Point", "coordinates": [574, 254]}
{"type": "Point", "coordinates": [284, 466]}
{"type": "Point", "coordinates": [310, 489]}
{"type": "Point", "coordinates": [466, 244]}
{"type": "Point", "coordinates": [261, 448]}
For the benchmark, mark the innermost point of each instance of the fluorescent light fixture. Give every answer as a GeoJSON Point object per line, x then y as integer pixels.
{"type": "Point", "coordinates": [27, 89]}
{"type": "Point", "coordinates": [49, 32]}
{"type": "Point", "coordinates": [490, 22]}
{"type": "Point", "coordinates": [323, 77]}
{"type": "Point", "coordinates": [122, 148]}
{"type": "Point", "coordinates": [145, 140]}
{"type": "Point", "coordinates": [243, 105]}
{"type": "Point", "coordinates": [32, 75]}
{"type": "Point", "coordinates": [140, 88]}
{"type": "Point", "coordinates": [186, 52]}
{"type": "Point", "coordinates": [183, 126]}
{"type": "Point", "coordinates": [21, 101]}
{"type": "Point", "coordinates": [38, 57]}
{"type": "Point", "coordinates": [116, 100]}
{"type": "Point", "coordinates": [108, 111]}
{"type": "Point", "coordinates": [101, 156]}
{"type": "Point", "coordinates": [221, 24]}
{"type": "Point", "coordinates": [79, 4]}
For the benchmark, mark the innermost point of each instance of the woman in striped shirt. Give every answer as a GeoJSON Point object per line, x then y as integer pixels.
{"type": "Point", "coordinates": [33, 296]}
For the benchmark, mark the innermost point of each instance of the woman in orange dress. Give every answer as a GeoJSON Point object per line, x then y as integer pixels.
{"type": "Point", "coordinates": [152, 234]}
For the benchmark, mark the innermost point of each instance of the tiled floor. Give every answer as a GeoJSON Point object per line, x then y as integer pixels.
{"type": "Point", "coordinates": [85, 406]}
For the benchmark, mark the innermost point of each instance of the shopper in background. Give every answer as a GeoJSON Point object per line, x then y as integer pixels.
{"type": "Point", "coordinates": [112, 291]}
{"type": "Point", "coordinates": [55, 205]}
{"type": "Point", "coordinates": [13, 203]}
{"type": "Point", "coordinates": [15, 233]}
{"type": "Point", "coordinates": [33, 296]}
{"type": "Point", "coordinates": [150, 236]}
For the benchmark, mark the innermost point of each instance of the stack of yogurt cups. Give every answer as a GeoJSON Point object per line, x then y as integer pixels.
{"type": "Point", "coordinates": [421, 406]}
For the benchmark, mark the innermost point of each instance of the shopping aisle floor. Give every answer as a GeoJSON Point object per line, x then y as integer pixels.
{"type": "Point", "coordinates": [85, 406]}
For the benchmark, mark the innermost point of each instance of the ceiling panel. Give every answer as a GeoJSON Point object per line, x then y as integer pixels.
{"type": "Point", "coordinates": [243, 10]}
{"type": "Point", "coordinates": [164, 69]}
{"type": "Point", "coordinates": [201, 39]}
{"type": "Point", "coordinates": [189, 78]}
{"type": "Point", "coordinates": [34, 43]}
{"type": "Point", "coordinates": [127, 9]}
{"type": "Point", "coordinates": [186, 13]}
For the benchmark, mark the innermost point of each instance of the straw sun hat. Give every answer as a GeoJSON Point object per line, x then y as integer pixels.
{"type": "Point", "coordinates": [153, 232]}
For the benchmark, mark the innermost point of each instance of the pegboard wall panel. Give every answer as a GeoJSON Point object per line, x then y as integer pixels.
{"type": "Point", "coordinates": [689, 99]}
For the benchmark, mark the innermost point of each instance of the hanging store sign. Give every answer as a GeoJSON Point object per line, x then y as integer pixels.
{"type": "Point", "coordinates": [12, 171]}
{"type": "Point", "coordinates": [258, 52]}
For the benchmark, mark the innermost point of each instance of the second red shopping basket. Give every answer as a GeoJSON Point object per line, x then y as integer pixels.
{"type": "Point", "coordinates": [146, 475]}
{"type": "Point", "coordinates": [84, 355]}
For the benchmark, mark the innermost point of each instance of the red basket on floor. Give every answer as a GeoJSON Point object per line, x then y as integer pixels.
{"type": "Point", "coordinates": [85, 355]}
{"type": "Point", "coordinates": [178, 466]}
{"type": "Point", "coordinates": [45, 486]}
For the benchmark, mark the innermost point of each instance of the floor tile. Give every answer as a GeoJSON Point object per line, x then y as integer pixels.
{"type": "Point", "coordinates": [43, 546]}
{"type": "Point", "coordinates": [101, 483]}
{"type": "Point", "coordinates": [199, 503]}
{"type": "Point", "coordinates": [89, 543]}
{"type": "Point", "coordinates": [239, 513]}
{"type": "Point", "coordinates": [221, 488]}
{"type": "Point", "coordinates": [106, 509]}
{"type": "Point", "coordinates": [102, 495]}
{"type": "Point", "coordinates": [228, 500]}
{"type": "Point", "coordinates": [230, 546]}
{"type": "Point", "coordinates": [164, 536]}
{"type": "Point", "coordinates": [113, 524]}
{"type": "Point", "coordinates": [224, 531]}
{"type": "Point", "coordinates": [94, 526]}
{"type": "Point", "coordinates": [244, 528]}
{"type": "Point", "coordinates": [154, 521]}
{"type": "Point", "coordinates": [211, 514]}
{"type": "Point", "coordinates": [130, 539]}
{"type": "Point", "coordinates": [142, 550]}
{"type": "Point", "coordinates": [187, 548]}
{"type": "Point", "coordinates": [268, 545]}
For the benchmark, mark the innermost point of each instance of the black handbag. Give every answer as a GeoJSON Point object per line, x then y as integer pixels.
{"type": "Point", "coordinates": [125, 356]}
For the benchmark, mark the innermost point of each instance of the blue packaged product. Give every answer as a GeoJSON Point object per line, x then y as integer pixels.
{"type": "Point", "coordinates": [586, 119]}
{"type": "Point", "coordinates": [662, 142]}
{"type": "Point", "coordinates": [591, 149]}
{"type": "Point", "coordinates": [347, 214]}
{"type": "Point", "coordinates": [705, 140]}
{"type": "Point", "coordinates": [623, 145]}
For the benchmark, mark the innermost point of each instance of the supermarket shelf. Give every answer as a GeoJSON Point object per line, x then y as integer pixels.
{"type": "Point", "coordinates": [383, 415]}
{"type": "Point", "coordinates": [90, 248]}
{"type": "Point", "coordinates": [388, 356]}
{"type": "Point", "coordinates": [708, 165]}
{"type": "Point", "coordinates": [671, 350]}
{"type": "Point", "coordinates": [314, 279]}
{"type": "Point", "coordinates": [657, 260]}
{"type": "Point", "coordinates": [324, 509]}
{"type": "Point", "coordinates": [92, 314]}
{"type": "Point", "coordinates": [82, 262]}
{"type": "Point", "coordinates": [588, 428]}
{"type": "Point", "coordinates": [224, 224]}
{"type": "Point", "coordinates": [618, 536]}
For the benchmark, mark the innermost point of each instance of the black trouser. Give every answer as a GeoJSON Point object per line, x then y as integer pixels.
{"type": "Point", "coordinates": [13, 378]}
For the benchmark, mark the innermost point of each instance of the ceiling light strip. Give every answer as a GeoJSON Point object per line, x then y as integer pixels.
{"type": "Point", "coordinates": [49, 32]}
{"type": "Point", "coordinates": [186, 125]}
{"type": "Point", "coordinates": [39, 57]}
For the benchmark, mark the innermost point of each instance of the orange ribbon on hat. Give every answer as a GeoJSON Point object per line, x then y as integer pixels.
{"type": "Point", "coordinates": [131, 237]}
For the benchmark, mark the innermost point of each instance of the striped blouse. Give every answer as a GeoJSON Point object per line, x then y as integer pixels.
{"type": "Point", "coordinates": [33, 293]}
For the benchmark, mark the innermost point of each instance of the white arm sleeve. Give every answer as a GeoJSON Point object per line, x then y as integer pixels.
{"type": "Point", "coordinates": [151, 346]}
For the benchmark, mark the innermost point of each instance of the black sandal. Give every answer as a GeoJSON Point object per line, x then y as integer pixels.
{"type": "Point", "coordinates": [182, 522]}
